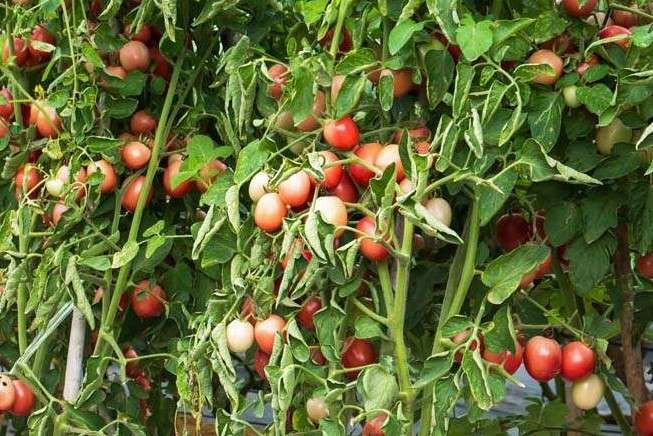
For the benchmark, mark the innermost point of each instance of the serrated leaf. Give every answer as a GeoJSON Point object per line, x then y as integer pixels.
{"type": "Point", "coordinates": [125, 255]}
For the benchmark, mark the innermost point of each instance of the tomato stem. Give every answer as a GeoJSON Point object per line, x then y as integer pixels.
{"type": "Point", "coordinates": [335, 41]}
{"type": "Point", "coordinates": [635, 11]}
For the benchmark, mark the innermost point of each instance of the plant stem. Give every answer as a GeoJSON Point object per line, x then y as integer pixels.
{"type": "Point", "coordinates": [617, 414]}
{"type": "Point", "coordinates": [21, 296]}
{"type": "Point", "coordinates": [386, 285]}
{"type": "Point", "coordinates": [335, 41]}
{"type": "Point", "coordinates": [635, 11]}
{"type": "Point", "coordinates": [366, 310]}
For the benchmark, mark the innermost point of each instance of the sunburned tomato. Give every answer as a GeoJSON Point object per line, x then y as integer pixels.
{"type": "Point", "coordinates": [345, 190]}
{"type": "Point", "coordinates": [317, 409]}
{"type": "Point", "coordinates": [132, 192]}
{"type": "Point", "coordinates": [387, 156]}
{"type": "Point", "coordinates": [279, 75]}
{"type": "Point", "coordinates": [305, 316]}
{"type": "Point", "coordinates": [7, 108]}
{"type": "Point", "coordinates": [148, 301]}
{"type": "Point", "coordinates": [333, 211]}
{"type": "Point", "coordinates": [440, 209]}
{"type": "Point", "coordinates": [614, 30]}
{"type": "Point", "coordinates": [367, 153]}
{"type": "Point", "coordinates": [258, 186]}
{"type": "Point", "coordinates": [135, 155]}
{"type": "Point", "coordinates": [356, 353]}
{"type": "Point", "coordinates": [512, 230]}
{"type": "Point", "coordinates": [24, 402]}
{"type": "Point", "coordinates": [342, 134]}
{"type": "Point", "coordinates": [551, 59]}
{"type": "Point", "coordinates": [21, 53]}
{"type": "Point", "coordinates": [240, 336]}
{"type": "Point", "coordinates": [142, 123]}
{"type": "Point", "coordinates": [134, 55]}
{"type": "Point", "coordinates": [40, 34]}
{"type": "Point", "coordinates": [402, 82]}
{"type": "Point", "coordinates": [110, 180]}
{"type": "Point", "coordinates": [208, 174]}
{"type": "Point", "coordinates": [374, 426]}
{"type": "Point", "coordinates": [542, 358]}
{"type": "Point", "coordinates": [332, 173]}
{"type": "Point", "coordinates": [269, 212]}
{"type": "Point", "coordinates": [577, 361]}
{"type": "Point", "coordinates": [579, 8]}
{"type": "Point", "coordinates": [645, 265]}
{"type": "Point", "coordinates": [261, 360]}
{"type": "Point", "coordinates": [644, 419]}
{"type": "Point", "coordinates": [296, 189]}
{"type": "Point", "coordinates": [7, 393]}
{"type": "Point", "coordinates": [374, 251]}
{"type": "Point", "coordinates": [266, 330]}
{"type": "Point", "coordinates": [586, 393]}
{"type": "Point", "coordinates": [510, 362]}
{"type": "Point", "coordinates": [182, 188]}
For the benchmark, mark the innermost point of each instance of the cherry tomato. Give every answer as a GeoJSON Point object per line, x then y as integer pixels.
{"type": "Point", "coordinates": [574, 8]}
{"type": "Point", "coordinates": [310, 123]}
{"type": "Point", "coordinates": [453, 49]}
{"type": "Point", "coordinates": [613, 133]}
{"type": "Point", "coordinates": [54, 187]}
{"type": "Point", "coordinates": [266, 330]}
{"type": "Point", "coordinates": [368, 153]}
{"type": "Point", "coordinates": [240, 336]}
{"type": "Point", "coordinates": [317, 408]}
{"type": "Point", "coordinates": [346, 190]}
{"type": "Point", "coordinates": [24, 402]}
{"type": "Point", "coordinates": [374, 251]}
{"type": "Point", "coordinates": [423, 147]}
{"type": "Point", "coordinates": [134, 55]}
{"type": "Point", "coordinates": [614, 30]}
{"type": "Point", "coordinates": [342, 134]}
{"type": "Point", "coordinates": [258, 186]}
{"type": "Point", "coordinates": [21, 53]}
{"type": "Point", "coordinates": [48, 123]}
{"type": "Point", "coordinates": [332, 174]}
{"type": "Point", "coordinates": [510, 362]}
{"type": "Point", "coordinates": [388, 155]}
{"type": "Point", "coordinates": [305, 316]}
{"type": "Point", "coordinates": [142, 123]}
{"type": "Point", "coordinates": [41, 34]}
{"type": "Point", "coordinates": [512, 230]}
{"type": "Point", "coordinates": [209, 173]}
{"type": "Point", "coordinates": [569, 93]}
{"type": "Point", "coordinates": [144, 35]}
{"type": "Point", "coordinates": [317, 357]}
{"type": "Point", "coordinates": [577, 361]}
{"type": "Point", "coordinates": [135, 155]}
{"type": "Point", "coordinates": [279, 76]}
{"type": "Point", "coordinates": [402, 82]}
{"type": "Point", "coordinates": [296, 189]}
{"type": "Point", "coordinates": [584, 66]}
{"type": "Point", "coordinates": [269, 212]}
{"type": "Point", "coordinates": [461, 337]}
{"type": "Point", "coordinates": [416, 134]}
{"type": "Point", "coordinates": [114, 71]}
{"type": "Point", "coordinates": [345, 40]}
{"type": "Point", "coordinates": [333, 211]}
{"type": "Point", "coordinates": [284, 121]}
{"type": "Point", "coordinates": [182, 188]}
{"type": "Point", "coordinates": [261, 360]}
{"type": "Point", "coordinates": [374, 426]}
{"type": "Point", "coordinates": [645, 265]}
{"type": "Point", "coordinates": [6, 109]}
{"type": "Point", "coordinates": [644, 419]}
{"type": "Point", "coordinates": [336, 85]}
{"type": "Point", "coordinates": [148, 301]}
{"type": "Point", "coordinates": [542, 358]}
{"type": "Point", "coordinates": [7, 393]}
{"type": "Point", "coordinates": [133, 368]}
{"type": "Point", "coordinates": [587, 393]}
{"type": "Point", "coordinates": [27, 178]}
{"type": "Point", "coordinates": [548, 57]}
{"type": "Point", "coordinates": [625, 18]}
{"type": "Point", "coordinates": [57, 212]}
{"type": "Point", "coordinates": [537, 273]}
{"type": "Point", "coordinates": [355, 353]}
{"type": "Point", "coordinates": [132, 192]}
{"type": "Point", "coordinates": [440, 209]}
{"type": "Point", "coordinates": [110, 180]}
{"type": "Point", "coordinates": [4, 128]}
{"type": "Point", "coordinates": [162, 67]}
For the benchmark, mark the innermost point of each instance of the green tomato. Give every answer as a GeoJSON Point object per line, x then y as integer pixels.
{"type": "Point", "coordinates": [608, 136]}
{"type": "Point", "coordinates": [569, 93]}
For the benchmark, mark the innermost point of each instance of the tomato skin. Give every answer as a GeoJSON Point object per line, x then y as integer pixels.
{"type": "Point", "coordinates": [613, 133]}
{"type": "Point", "coordinates": [305, 316]}
{"type": "Point", "coordinates": [317, 357]}
{"type": "Point", "coordinates": [135, 155]}
{"type": "Point", "coordinates": [345, 40]}
{"type": "Point", "coordinates": [57, 212]}
{"type": "Point", "coordinates": [625, 18]}
{"type": "Point", "coordinates": [357, 352]}
{"type": "Point", "coordinates": [279, 76]}
{"type": "Point", "coordinates": [240, 336]}
{"type": "Point", "coordinates": [537, 273]}
{"type": "Point", "coordinates": [209, 173]}
{"type": "Point", "coordinates": [461, 337]}
{"type": "Point", "coordinates": [402, 82]}
{"type": "Point", "coordinates": [269, 212]}
{"type": "Point", "coordinates": [333, 211]}
{"type": "Point", "coordinates": [316, 409]}
{"type": "Point", "coordinates": [266, 330]}
{"type": "Point", "coordinates": [388, 155]}
{"type": "Point", "coordinates": [614, 30]}
{"type": "Point", "coordinates": [7, 393]}
{"type": "Point", "coordinates": [142, 123]}
{"type": "Point", "coordinates": [132, 192]}
{"type": "Point", "coordinates": [586, 393]}
{"type": "Point", "coordinates": [645, 265]}
{"type": "Point", "coordinates": [336, 85]}
{"type": "Point", "coordinates": [144, 35]}
{"type": "Point", "coordinates": [542, 358]}
{"type": "Point", "coordinates": [584, 66]}
{"type": "Point", "coordinates": [132, 369]}
{"type": "Point", "coordinates": [510, 362]}
{"type": "Point", "coordinates": [310, 123]}
{"type": "Point", "coordinates": [346, 190]}
{"type": "Point", "coordinates": [512, 230]}
{"type": "Point", "coordinates": [440, 209]}
{"type": "Point", "coordinates": [644, 419]}
{"type": "Point", "coordinates": [4, 128]}
{"type": "Point", "coordinates": [569, 93]}
{"type": "Point", "coordinates": [296, 189]}
{"type": "Point", "coordinates": [372, 250]}
{"type": "Point", "coordinates": [574, 8]}
{"type": "Point", "coordinates": [48, 123]}
{"type": "Point", "coordinates": [183, 188]}
{"type": "Point", "coordinates": [374, 426]}
{"type": "Point", "coordinates": [26, 179]}
{"type": "Point", "coordinates": [368, 153]}
{"type": "Point", "coordinates": [40, 33]}
{"type": "Point", "coordinates": [258, 186]}
{"type": "Point", "coordinates": [544, 56]}
{"type": "Point", "coordinates": [342, 134]}
{"type": "Point", "coordinates": [24, 402]}
{"type": "Point", "coordinates": [21, 53]}
{"type": "Point", "coordinates": [332, 174]}
{"type": "Point", "coordinates": [560, 44]}
{"type": "Point", "coordinates": [6, 109]}
{"type": "Point", "coordinates": [577, 361]}
{"type": "Point", "coordinates": [134, 55]}
{"type": "Point", "coordinates": [162, 67]}
{"type": "Point", "coordinates": [261, 360]}
{"type": "Point", "coordinates": [248, 310]}
{"type": "Point", "coordinates": [148, 301]}
{"type": "Point", "coordinates": [115, 71]}
{"type": "Point", "coordinates": [110, 179]}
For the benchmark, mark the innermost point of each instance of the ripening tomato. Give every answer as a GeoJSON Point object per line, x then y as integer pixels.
{"type": "Point", "coordinates": [367, 153]}
{"type": "Point", "coordinates": [27, 178]}
{"type": "Point", "coordinates": [144, 35]}
{"type": "Point", "coordinates": [613, 133]}
{"type": "Point", "coordinates": [266, 330]}
{"type": "Point", "coordinates": [614, 30]}
{"type": "Point", "coordinates": [402, 82]}
{"type": "Point", "coordinates": [537, 273]}
{"type": "Point", "coordinates": [416, 134]}
{"type": "Point", "coordinates": [372, 250]}
{"type": "Point", "coordinates": [248, 310]}
{"type": "Point", "coordinates": [21, 53]}
{"type": "Point", "coordinates": [208, 174]}
{"type": "Point", "coordinates": [142, 123]}
{"type": "Point", "coordinates": [625, 18]}
{"type": "Point", "coordinates": [550, 58]}
{"type": "Point", "coordinates": [356, 353]}
{"type": "Point", "coordinates": [542, 358]}
{"type": "Point", "coordinates": [587, 392]}
{"type": "Point", "coordinates": [58, 210]}
{"type": "Point", "coordinates": [345, 190]}
{"type": "Point", "coordinates": [336, 85]}
{"type": "Point", "coordinates": [7, 393]}
{"type": "Point", "coordinates": [6, 109]}
{"type": "Point", "coordinates": [258, 186]}
{"type": "Point", "coordinates": [342, 134]}
{"type": "Point", "coordinates": [387, 156]}
{"type": "Point", "coordinates": [586, 65]}
{"type": "Point", "coordinates": [115, 71]}
{"type": "Point", "coordinates": [374, 426]}
{"type": "Point", "coordinates": [577, 361]}
{"type": "Point", "coordinates": [317, 409]}
{"type": "Point", "coordinates": [269, 212]}
{"type": "Point", "coordinates": [333, 211]}
{"type": "Point", "coordinates": [345, 40]}
{"type": "Point", "coordinates": [512, 230]}
{"type": "Point", "coordinates": [110, 180]}
{"type": "Point", "coordinates": [182, 188]}
{"type": "Point", "coordinates": [317, 357]}
{"type": "Point", "coordinates": [261, 360]}
{"type": "Point", "coordinates": [644, 419]}
{"type": "Point", "coordinates": [440, 209]}
{"type": "Point", "coordinates": [645, 265]}
{"type": "Point", "coordinates": [279, 76]}
{"type": "Point", "coordinates": [4, 128]}
{"type": "Point", "coordinates": [132, 368]}
{"type": "Point", "coordinates": [333, 173]}
{"type": "Point", "coordinates": [240, 336]}
{"type": "Point", "coordinates": [310, 123]}
{"type": "Point", "coordinates": [148, 301]}
{"type": "Point", "coordinates": [305, 316]}
{"type": "Point", "coordinates": [134, 55]}
{"type": "Point", "coordinates": [579, 8]}
{"type": "Point", "coordinates": [135, 155]}
{"type": "Point", "coordinates": [406, 186]}
{"type": "Point", "coordinates": [510, 362]}
{"type": "Point", "coordinates": [423, 147]}
{"type": "Point", "coordinates": [48, 123]}
{"type": "Point", "coordinates": [132, 192]}
{"type": "Point", "coordinates": [162, 67]}
{"type": "Point", "coordinates": [296, 189]}
{"type": "Point", "coordinates": [24, 402]}
{"type": "Point", "coordinates": [41, 34]}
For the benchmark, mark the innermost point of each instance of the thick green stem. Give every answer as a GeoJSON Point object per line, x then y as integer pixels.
{"type": "Point", "coordinates": [386, 285]}
{"type": "Point", "coordinates": [21, 292]}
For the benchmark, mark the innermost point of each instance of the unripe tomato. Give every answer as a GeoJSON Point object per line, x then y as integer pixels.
{"type": "Point", "coordinates": [317, 408]}
{"type": "Point", "coordinates": [54, 187]}
{"type": "Point", "coordinates": [440, 209]}
{"type": "Point", "coordinates": [162, 67]}
{"type": "Point", "coordinates": [569, 93]}
{"type": "Point", "coordinates": [587, 392]}
{"type": "Point", "coordinates": [27, 178]}
{"type": "Point", "coordinates": [134, 55]}
{"type": "Point", "coordinates": [614, 30]}
{"type": "Point", "coordinates": [333, 211]}
{"type": "Point", "coordinates": [7, 393]}
{"type": "Point", "coordinates": [512, 230]}
{"type": "Point", "coordinates": [355, 353]}
{"type": "Point", "coordinates": [402, 82]}
{"type": "Point", "coordinates": [261, 360]}
{"type": "Point", "coordinates": [625, 18]}
{"type": "Point", "coordinates": [389, 155]}
{"type": "Point", "coordinates": [613, 133]}
{"type": "Point", "coordinates": [645, 265]}
{"type": "Point", "coordinates": [41, 34]}
{"type": "Point", "coordinates": [574, 8]}
{"type": "Point", "coordinates": [269, 212]}
{"type": "Point", "coordinates": [644, 419]}
{"type": "Point", "coordinates": [183, 188]}
{"type": "Point", "coordinates": [209, 173]}
{"type": "Point", "coordinates": [305, 316]}
{"type": "Point", "coordinates": [148, 301]}
{"type": "Point", "coordinates": [110, 180]}
{"type": "Point", "coordinates": [6, 109]}
{"type": "Point", "coordinates": [258, 186]}
{"type": "Point", "coordinates": [577, 361]}
{"type": "Point", "coordinates": [24, 402]}
{"type": "Point", "coordinates": [542, 358]}
{"type": "Point", "coordinates": [142, 123]}
{"type": "Point", "coordinates": [368, 153]}
{"type": "Point", "coordinates": [21, 53]}
{"type": "Point", "coordinates": [132, 192]}
{"type": "Point", "coordinates": [135, 155]}
{"type": "Point", "coordinates": [336, 85]}
{"type": "Point", "coordinates": [346, 190]}
{"type": "Point", "coordinates": [374, 426]}
{"type": "Point", "coordinates": [240, 336]}
{"type": "Point", "coordinates": [48, 123]}
{"type": "Point", "coordinates": [416, 134]}
{"type": "Point", "coordinates": [296, 189]}
{"type": "Point", "coordinates": [332, 174]}
{"type": "Point", "coordinates": [310, 123]}
{"type": "Point", "coordinates": [550, 58]}
{"type": "Point", "coordinates": [57, 212]}
{"type": "Point", "coordinates": [265, 331]}
{"type": "Point", "coordinates": [342, 134]}
{"type": "Point", "coordinates": [374, 251]}
{"type": "Point", "coordinates": [510, 362]}
{"type": "Point", "coordinates": [279, 78]}
{"type": "Point", "coordinates": [345, 40]}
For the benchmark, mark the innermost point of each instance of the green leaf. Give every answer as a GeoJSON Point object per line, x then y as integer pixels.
{"type": "Point", "coordinates": [125, 255]}
{"type": "Point", "coordinates": [435, 367]}
{"type": "Point", "coordinates": [595, 98]}
{"type": "Point", "coordinates": [201, 151]}
{"type": "Point", "coordinates": [349, 95]}
{"type": "Point", "coordinates": [473, 38]}
{"type": "Point", "coordinates": [301, 103]}
{"type": "Point", "coordinates": [366, 328]}
{"type": "Point", "coordinates": [476, 374]}
{"type": "Point", "coordinates": [312, 10]}
{"type": "Point", "coordinates": [464, 79]}
{"type": "Point", "coordinates": [492, 198]}
{"type": "Point", "coordinates": [401, 34]}
{"type": "Point", "coordinates": [642, 36]}
{"type": "Point", "coordinates": [589, 263]}
{"type": "Point", "coordinates": [98, 263]}
{"type": "Point", "coordinates": [233, 205]}
{"type": "Point", "coordinates": [563, 222]}
{"type": "Point", "coordinates": [599, 213]}
{"type": "Point", "coordinates": [386, 92]}
{"type": "Point", "coordinates": [356, 61]}
{"type": "Point", "coordinates": [504, 29]}
{"type": "Point", "coordinates": [439, 67]}
{"type": "Point", "coordinates": [378, 388]}
{"type": "Point", "coordinates": [81, 302]}
{"type": "Point", "coordinates": [545, 118]}
{"type": "Point", "coordinates": [97, 144]}
{"type": "Point", "coordinates": [250, 159]}
{"type": "Point", "coordinates": [501, 337]}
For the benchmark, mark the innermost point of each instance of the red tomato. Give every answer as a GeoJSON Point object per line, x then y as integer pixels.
{"type": "Point", "coordinates": [142, 123]}
{"type": "Point", "coordinates": [41, 34]}
{"type": "Point", "coordinates": [345, 40]}
{"type": "Point", "coordinates": [310, 123]}
{"type": "Point", "coordinates": [48, 123]}
{"type": "Point", "coordinates": [148, 301]}
{"type": "Point", "coordinates": [7, 393]}
{"type": "Point", "coordinates": [132, 368]}
{"type": "Point", "coordinates": [537, 273]}
{"type": "Point", "coordinates": [402, 82]}
{"type": "Point", "coordinates": [388, 155]}
{"type": "Point", "coordinates": [296, 189]}
{"type": "Point", "coordinates": [645, 265]}
{"type": "Point", "coordinates": [317, 357]}
{"type": "Point", "coordinates": [542, 358]}
{"type": "Point", "coordinates": [6, 109]}
{"type": "Point", "coordinates": [132, 192]}
{"type": "Point", "coordinates": [512, 230]}
{"type": "Point", "coordinates": [333, 211]}
{"type": "Point", "coordinates": [374, 251]}
{"type": "Point", "coordinates": [355, 353]}
{"type": "Point", "coordinates": [24, 402]}
{"type": "Point", "coordinates": [584, 66]}
{"type": "Point", "coordinates": [209, 173]}
{"type": "Point", "coordinates": [550, 58]}
{"type": "Point", "coordinates": [134, 55]}
{"type": "Point", "coordinates": [368, 153]}
{"type": "Point", "coordinates": [416, 134]}
{"type": "Point", "coordinates": [577, 361]}
{"type": "Point", "coordinates": [21, 53]}
{"type": "Point", "coordinates": [162, 67]}
{"type": "Point", "coordinates": [26, 179]}
{"type": "Point", "coordinates": [342, 134]}
{"type": "Point", "coordinates": [336, 85]}
{"type": "Point", "coordinates": [110, 179]}
{"type": "Point", "coordinates": [4, 128]}
{"type": "Point", "coordinates": [374, 426]}
{"type": "Point", "coordinates": [261, 360]}
{"type": "Point", "coordinates": [511, 362]}
{"type": "Point", "coordinates": [135, 155]}
{"type": "Point", "coordinates": [332, 174]}
{"type": "Point", "coordinates": [346, 190]}
{"type": "Point", "coordinates": [269, 212]}
{"type": "Point", "coordinates": [57, 212]}
{"type": "Point", "coordinates": [305, 316]}
{"type": "Point", "coordinates": [183, 188]}
{"type": "Point", "coordinates": [614, 30]}
{"type": "Point", "coordinates": [644, 419]}
{"type": "Point", "coordinates": [625, 18]}
{"type": "Point", "coordinates": [574, 8]}
{"type": "Point", "coordinates": [144, 35]}
{"type": "Point", "coordinates": [279, 76]}
{"type": "Point", "coordinates": [265, 331]}
{"type": "Point", "coordinates": [453, 49]}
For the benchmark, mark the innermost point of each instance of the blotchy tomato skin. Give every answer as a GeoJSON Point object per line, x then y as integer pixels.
{"type": "Point", "coordinates": [24, 402]}
{"type": "Point", "coordinates": [132, 192]}
{"type": "Point", "coordinates": [374, 251]}
{"type": "Point", "coordinates": [574, 8]}
{"type": "Point", "coordinates": [644, 419]}
{"type": "Point", "coordinates": [296, 189]}
{"type": "Point", "coordinates": [305, 316]}
{"type": "Point", "coordinates": [148, 301]}
{"type": "Point", "coordinates": [374, 426]}
{"type": "Point", "coordinates": [510, 362]}
{"type": "Point", "coordinates": [577, 361]}
{"type": "Point", "coordinates": [342, 134]}
{"type": "Point", "coordinates": [355, 353]}
{"type": "Point", "coordinates": [110, 179]}
{"type": "Point", "coordinates": [266, 330]}
{"type": "Point", "coordinates": [27, 178]}
{"type": "Point", "coordinates": [586, 393]}
{"type": "Point", "coordinates": [183, 188]}
{"type": "Point", "coordinates": [336, 85]}
{"type": "Point", "coordinates": [613, 133]}
{"type": "Point", "coordinates": [7, 393]}
{"type": "Point", "coordinates": [269, 212]}
{"type": "Point", "coordinates": [345, 190]}
{"type": "Point", "coordinates": [332, 174]}
{"type": "Point", "coordinates": [368, 153]}
{"type": "Point", "coordinates": [279, 78]}
{"type": "Point", "coordinates": [553, 60]}
{"type": "Point", "coordinates": [542, 358]}
{"type": "Point", "coordinates": [645, 265]}
{"type": "Point", "coordinates": [135, 155]}
{"type": "Point", "coordinates": [316, 409]}
{"type": "Point", "coordinates": [57, 212]}
{"type": "Point", "coordinates": [387, 156]}
{"type": "Point", "coordinates": [134, 55]}
{"type": "Point", "coordinates": [512, 230]}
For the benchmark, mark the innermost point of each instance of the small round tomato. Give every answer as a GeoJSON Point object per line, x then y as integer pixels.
{"type": "Point", "coordinates": [6, 109]}
{"type": "Point", "coordinates": [374, 426]}
{"type": "Point", "coordinates": [110, 180]}
{"type": "Point", "coordinates": [406, 186]}
{"type": "Point", "coordinates": [266, 330]}
{"type": "Point", "coordinates": [261, 360]}
{"type": "Point", "coordinates": [625, 18]}
{"type": "Point", "coordinates": [645, 265]}
{"type": "Point", "coordinates": [284, 121]}
{"type": "Point", "coordinates": [148, 301]}
{"type": "Point", "coordinates": [27, 179]}
{"type": "Point", "coordinates": [374, 251]}
{"type": "Point", "coordinates": [182, 188]}
{"type": "Point", "coordinates": [132, 368]}
{"type": "Point", "coordinates": [57, 212]}
{"type": "Point", "coordinates": [269, 212]}
{"type": "Point", "coordinates": [144, 35]}
{"type": "Point", "coordinates": [345, 190]}
{"type": "Point", "coordinates": [333, 211]}
{"type": "Point", "coordinates": [341, 134]}
{"type": "Point", "coordinates": [296, 189]}
{"type": "Point", "coordinates": [305, 316]}
{"type": "Point", "coordinates": [575, 9]}
{"type": "Point", "coordinates": [40, 34]}
{"type": "Point", "coordinates": [24, 402]}
{"type": "Point", "coordinates": [613, 133]}
{"type": "Point", "coordinates": [510, 362]}
{"type": "Point", "coordinates": [54, 187]}
{"type": "Point", "coordinates": [614, 30]}
{"type": "Point", "coordinates": [258, 186]}
{"type": "Point", "coordinates": [416, 134]}
{"type": "Point", "coordinates": [21, 53]}
{"type": "Point", "coordinates": [7, 393]}
{"type": "Point", "coordinates": [317, 357]}
{"type": "Point", "coordinates": [336, 85]}
{"type": "Point", "coordinates": [537, 273]}
{"type": "Point", "coordinates": [142, 123]}
{"type": "Point", "coordinates": [569, 93]}
{"type": "Point", "coordinates": [440, 209]}
{"type": "Point", "coordinates": [317, 409]}
{"type": "Point", "coordinates": [512, 230]}
{"type": "Point", "coordinates": [549, 58]}
{"type": "Point", "coordinates": [132, 192]}
{"type": "Point", "coordinates": [402, 82]}
{"type": "Point", "coordinates": [162, 67]}
{"type": "Point", "coordinates": [542, 358]}
{"type": "Point", "coordinates": [389, 155]}
{"type": "Point", "coordinates": [209, 173]}
{"type": "Point", "coordinates": [587, 392]}
{"type": "Point", "coordinates": [135, 155]}
{"type": "Point", "coordinates": [333, 173]}
{"type": "Point", "coordinates": [310, 123]}
{"type": "Point", "coordinates": [48, 123]}
{"type": "Point", "coordinates": [644, 419]}
{"type": "Point", "coordinates": [134, 55]}
{"type": "Point", "coordinates": [345, 40]}
{"type": "Point", "coordinates": [240, 336]}
{"type": "Point", "coordinates": [367, 153]}
{"type": "Point", "coordinates": [279, 76]}
{"type": "Point", "coordinates": [356, 353]}
{"type": "Point", "coordinates": [577, 361]}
